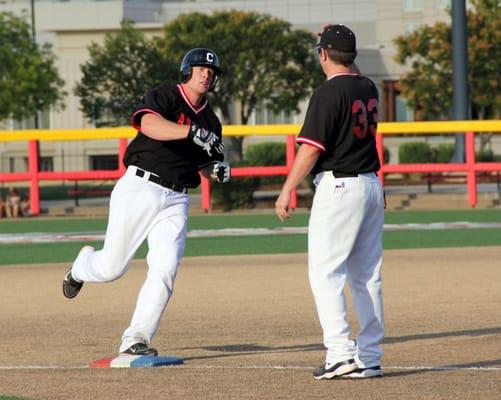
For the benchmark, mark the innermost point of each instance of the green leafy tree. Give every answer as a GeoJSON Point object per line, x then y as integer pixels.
{"type": "Point", "coordinates": [263, 60]}
{"type": "Point", "coordinates": [428, 53]}
{"type": "Point", "coordinates": [29, 81]}
{"type": "Point", "coordinates": [118, 74]}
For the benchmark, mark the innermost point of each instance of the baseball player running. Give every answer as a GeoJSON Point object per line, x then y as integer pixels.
{"type": "Point", "coordinates": [346, 221]}
{"type": "Point", "coordinates": [178, 136]}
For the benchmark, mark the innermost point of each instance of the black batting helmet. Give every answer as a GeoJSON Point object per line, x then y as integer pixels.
{"type": "Point", "coordinates": [199, 57]}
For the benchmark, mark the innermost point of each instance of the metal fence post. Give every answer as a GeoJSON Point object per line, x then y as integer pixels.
{"type": "Point", "coordinates": [205, 193]}
{"type": "Point", "coordinates": [470, 164]}
{"type": "Point", "coordinates": [33, 171]}
{"type": "Point", "coordinates": [122, 147]}
{"type": "Point", "coordinates": [380, 152]}
{"type": "Point", "coordinates": [290, 154]}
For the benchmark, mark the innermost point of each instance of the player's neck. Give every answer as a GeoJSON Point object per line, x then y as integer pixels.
{"type": "Point", "coordinates": [332, 69]}
{"type": "Point", "coordinates": [194, 97]}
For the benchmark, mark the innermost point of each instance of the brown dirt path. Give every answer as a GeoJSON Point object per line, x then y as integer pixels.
{"type": "Point", "coordinates": [247, 329]}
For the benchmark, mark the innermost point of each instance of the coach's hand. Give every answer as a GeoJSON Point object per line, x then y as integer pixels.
{"type": "Point", "coordinates": [206, 139]}
{"type": "Point", "coordinates": [221, 172]}
{"type": "Point", "coordinates": [282, 205]}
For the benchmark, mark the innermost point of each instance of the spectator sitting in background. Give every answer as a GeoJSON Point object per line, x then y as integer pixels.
{"type": "Point", "coordinates": [12, 203]}
{"type": "Point", "coordinates": [2, 206]}
{"type": "Point", "coordinates": [25, 206]}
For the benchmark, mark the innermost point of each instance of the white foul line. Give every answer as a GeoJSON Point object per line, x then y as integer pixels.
{"type": "Point", "coordinates": [45, 237]}
{"type": "Point", "coordinates": [263, 367]}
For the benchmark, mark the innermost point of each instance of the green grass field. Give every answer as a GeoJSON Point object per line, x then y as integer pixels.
{"type": "Point", "coordinates": [26, 253]}
{"type": "Point", "coordinates": [13, 398]}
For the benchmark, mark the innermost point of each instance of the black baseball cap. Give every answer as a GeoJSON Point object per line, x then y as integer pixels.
{"type": "Point", "coordinates": [338, 37]}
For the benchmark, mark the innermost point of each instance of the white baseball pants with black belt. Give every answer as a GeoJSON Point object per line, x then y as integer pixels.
{"type": "Point", "coordinates": [345, 244]}
{"type": "Point", "coordinates": [139, 210]}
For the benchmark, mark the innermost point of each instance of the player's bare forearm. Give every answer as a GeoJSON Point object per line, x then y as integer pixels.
{"type": "Point", "coordinates": [159, 128]}
{"type": "Point", "coordinates": [306, 158]}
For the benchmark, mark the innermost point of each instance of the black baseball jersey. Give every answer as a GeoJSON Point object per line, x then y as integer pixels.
{"type": "Point", "coordinates": [341, 120]}
{"type": "Point", "coordinates": [175, 161]}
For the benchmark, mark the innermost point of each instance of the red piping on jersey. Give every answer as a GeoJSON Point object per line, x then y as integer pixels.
{"type": "Point", "coordinates": [343, 73]}
{"type": "Point", "coordinates": [196, 109]}
{"type": "Point", "coordinates": [313, 143]}
{"type": "Point", "coordinates": [145, 111]}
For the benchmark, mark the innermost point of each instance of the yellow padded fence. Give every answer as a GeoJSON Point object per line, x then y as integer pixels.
{"type": "Point", "coordinates": [385, 128]}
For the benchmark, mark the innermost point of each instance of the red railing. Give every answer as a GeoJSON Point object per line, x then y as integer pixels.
{"type": "Point", "coordinates": [258, 171]}
{"type": "Point", "coordinates": [470, 167]}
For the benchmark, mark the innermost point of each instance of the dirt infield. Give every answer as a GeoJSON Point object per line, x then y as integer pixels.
{"type": "Point", "coordinates": [247, 329]}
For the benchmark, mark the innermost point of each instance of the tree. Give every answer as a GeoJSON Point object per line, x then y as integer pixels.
{"type": "Point", "coordinates": [118, 74]}
{"type": "Point", "coordinates": [263, 61]}
{"type": "Point", "coordinates": [29, 81]}
{"type": "Point", "coordinates": [428, 52]}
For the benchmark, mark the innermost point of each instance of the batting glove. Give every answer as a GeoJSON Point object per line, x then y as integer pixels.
{"type": "Point", "coordinates": [206, 139]}
{"type": "Point", "coordinates": [221, 172]}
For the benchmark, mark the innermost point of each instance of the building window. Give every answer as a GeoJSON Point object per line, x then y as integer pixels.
{"type": "Point", "coordinates": [46, 164]}
{"type": "Point", "coordinates": [12, 164]}
{"type": "Point", "coordinates": [104, 161]}
{"type": "Point", "coordinates": [18, 164]}
{"type": "Point", "coordinates": [443, 4]}
{"type": "Point", "coordinates": [30, 123]}
{"type": "Point", "coordinates": [413, 5]}
{"type": "Point", "coordinates": [264, 116]}
{"type": "Point", "coordinates": [21, 164]}
{"type": "Point", "coordinates": [410, 27]}
{"type": "Point", "coordinates": [403, 111]}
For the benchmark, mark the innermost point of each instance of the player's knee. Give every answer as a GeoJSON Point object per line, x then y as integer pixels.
{"type": "Point", "coordinates": [164, 269]}
{"type": "Point", "coordinates": [112, 268]}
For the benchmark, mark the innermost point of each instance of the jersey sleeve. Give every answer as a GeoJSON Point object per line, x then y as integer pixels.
{"type": "Point", "coordinates": [155, 102]}
{"type": "Point", "coordinates": [318, 123]}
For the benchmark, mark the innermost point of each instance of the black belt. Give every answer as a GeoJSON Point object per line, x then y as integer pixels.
{"type": "Point", "coordinates": [344, 174]}
{"type": "Point", "coordinates": [159, 181]}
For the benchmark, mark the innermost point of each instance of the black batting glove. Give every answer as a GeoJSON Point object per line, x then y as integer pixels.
{"type": "Point", "coordinates": [206, 139]}
{"type": "Point", "coordinates": [221, 172]}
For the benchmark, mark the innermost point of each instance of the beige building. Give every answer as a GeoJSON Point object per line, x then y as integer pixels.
{"type": "Point", "coordinates": [72, 25]}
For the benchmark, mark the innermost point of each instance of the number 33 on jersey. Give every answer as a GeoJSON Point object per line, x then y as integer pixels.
{"type": "Point", "coordinates": [365, 117]}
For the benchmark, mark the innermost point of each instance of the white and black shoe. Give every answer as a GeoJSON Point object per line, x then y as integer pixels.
{"type": "Point", "coordinates": [140, 349]}
{"type": "Point", "coordinates": [71, 286]}
{"type": "Point", "coordinates": [330, 371]}
{"type": "Point", "coordinates": [369, 372]}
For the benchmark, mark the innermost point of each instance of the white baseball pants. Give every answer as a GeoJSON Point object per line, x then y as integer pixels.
{"type": "Point", "coordinates": [345, 243]}
{"type": "Point", "coordinates": [140, 210]}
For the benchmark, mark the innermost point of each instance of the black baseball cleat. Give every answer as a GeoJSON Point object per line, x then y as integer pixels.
{"type": "Point", "coordinates": [140, 349]}
{"type": "Point", "coordinates": [369, 372]}
{"type": "Point", "coordinates": [71, 287]}
{"type": "Point", "coordinates": [339, 369]}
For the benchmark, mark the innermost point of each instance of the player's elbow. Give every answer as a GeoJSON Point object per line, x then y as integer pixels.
{"type": "Point", "coordinates": [150, 124]}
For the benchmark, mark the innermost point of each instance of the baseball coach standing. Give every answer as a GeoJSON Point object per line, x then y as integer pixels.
{"type": "Point", "coordinates": [346, 222]}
